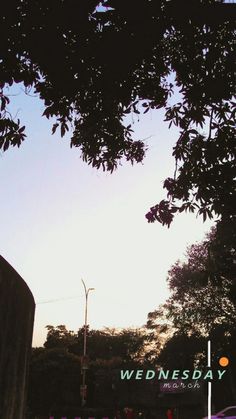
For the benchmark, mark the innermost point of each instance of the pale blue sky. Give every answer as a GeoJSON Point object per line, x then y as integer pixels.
{"type": "Point", "coordinates": [62, 221]}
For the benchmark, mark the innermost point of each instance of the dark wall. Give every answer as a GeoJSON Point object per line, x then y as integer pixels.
{"type": "Point", "coordinates": [17, 308]}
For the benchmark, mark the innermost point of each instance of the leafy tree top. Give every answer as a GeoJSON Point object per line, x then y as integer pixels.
{"type": "Point", "coordinates": [92, 67]}
{"type": "Point", "coordinates": [102, 345]}
{"type": "Point", "coordinates": [202, 300]}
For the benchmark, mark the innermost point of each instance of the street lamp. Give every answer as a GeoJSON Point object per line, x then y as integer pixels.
{"type": "Point", "coordinates": [84, 363]}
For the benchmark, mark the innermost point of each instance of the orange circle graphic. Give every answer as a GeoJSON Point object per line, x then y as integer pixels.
{"type": "Point", "coordinates": [224, 361]}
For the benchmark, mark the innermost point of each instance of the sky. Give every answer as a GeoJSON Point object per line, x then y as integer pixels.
{"type": "Point", "coordinates": [63, 221]}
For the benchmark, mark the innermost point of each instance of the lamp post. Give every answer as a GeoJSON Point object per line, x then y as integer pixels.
{"type": "Point", "coordinates": [84, 363]}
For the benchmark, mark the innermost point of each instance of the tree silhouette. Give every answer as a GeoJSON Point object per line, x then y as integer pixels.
{"type": "Point", "coordinates": [55, 370]}
{"type": "Point", "coordinates": [92, 67]}
{"type": "Point", "coordinates": [202, 303]}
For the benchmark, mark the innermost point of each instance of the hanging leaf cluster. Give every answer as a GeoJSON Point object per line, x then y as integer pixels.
{"type": "Point", "coordinates": [93, 63]}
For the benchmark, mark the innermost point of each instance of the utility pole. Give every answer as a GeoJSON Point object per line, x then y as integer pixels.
{"type": "Point", "coordinates": [84, 360]}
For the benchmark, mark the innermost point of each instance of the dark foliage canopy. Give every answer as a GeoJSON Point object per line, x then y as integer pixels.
{"type": "Point", "coordinates": [92, 66]}
{"type": "Point", "coordinates": [202, 303]}
{"type": "Point", "coordinates": [104, 345]}
{"type": "Point", "coordinates": [55, 370]}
